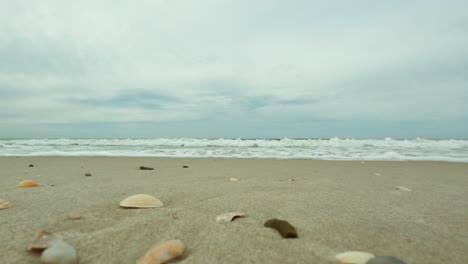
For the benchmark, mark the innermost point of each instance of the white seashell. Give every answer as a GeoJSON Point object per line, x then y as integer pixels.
{"type": "Point", "coordinates": [354, 257]}
{"type": "Point", "coordinates": [4, 204]}
{"type": "Point", "coordinates": [233, 179]}
{"type": "Point", "coordinates": [141, 201]}
{"type": "Point", "coordinates": [229, 217]}
{"type": "Point", "coordinates": [378, 174]}
{"type": "Point", "coordinates": [59, 252]}
{"type": "Point", "coordinates": [163, 252]}
{"type": "Point", "coordinates": [402, 188]}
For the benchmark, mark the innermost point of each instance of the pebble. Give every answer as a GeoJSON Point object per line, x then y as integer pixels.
{"type": "Point", "coordinates": [59, 252]}
{"type": "Point", "coordinates": [385, 260]}
{"type": "Point", "coordinates": [31, 165]}
{"type": "Point", "coordinates": [146, 168]}
{"type": "Point", "coordinates": [185, 166]}
{"type": "Point", "coordinates": [74, 216]}
{"type": "Point", "coordinates": [88, 174]}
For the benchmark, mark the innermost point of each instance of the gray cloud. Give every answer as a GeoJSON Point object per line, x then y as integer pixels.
{"type": "Point", "coordinates": [281, 62]}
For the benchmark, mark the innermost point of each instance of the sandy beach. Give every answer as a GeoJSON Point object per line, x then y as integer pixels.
{"type": "Point", "coordinates": [336, 206]}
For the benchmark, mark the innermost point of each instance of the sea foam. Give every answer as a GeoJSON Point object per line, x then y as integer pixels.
{"type": "Point", "coordinates": [286, 148]}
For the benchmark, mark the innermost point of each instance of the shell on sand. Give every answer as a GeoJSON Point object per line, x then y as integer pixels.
{"type": "Point", "coordinates": [402, 188]}
{"type": "Point", "coordinates": [141, 201]}
{"type": "Point", "coordinates": [42, 240]}
{"type": "Point", "coordinates": [229, 217]}
{"type": "Point", "coordinates": [27, 183]}
{"type": "Point", "coordinates": [163, 252]}
{"type": "Point", "coordinates": [4, 204]}
{"type": "Point", "coordinates": [233, 179]}
{"type": "Point", "coordinates": [74, 215]}
{"type": "Point", "coordinates": [354, 257]}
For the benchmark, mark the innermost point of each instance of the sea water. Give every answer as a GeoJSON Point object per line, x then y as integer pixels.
{"type": "Point", "coordinates": [285, 148]}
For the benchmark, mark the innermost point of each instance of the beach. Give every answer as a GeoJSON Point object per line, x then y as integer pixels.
{"type": "Point", "coordinates": [414, 210]}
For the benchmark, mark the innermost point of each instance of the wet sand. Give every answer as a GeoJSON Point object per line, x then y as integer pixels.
{"type": "Point", "coordinates": [336, 206]}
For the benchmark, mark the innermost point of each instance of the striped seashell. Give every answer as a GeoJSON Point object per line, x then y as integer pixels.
{"type": "Point", "coordinates": [141, 201]}
{"type": "Point", "coordinates": [27, 183]}
{"type": "Point", "coordinates": [163, 252]}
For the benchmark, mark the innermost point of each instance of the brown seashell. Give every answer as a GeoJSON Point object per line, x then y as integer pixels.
{"type": "Point", "coordinates": [4, 204]}
{"type": "Point", "coordinates": [354, 257]}
{"type": "Point", "coordinates": [141, 201]}
{"type": "Point", "coordinates": [229, 217]}
{"type": "Point", "coordinates": [27, 183]}
{"type": "Point", "coordinates": [163, 252]}
{"type": "Point", "coordinates": [285, 229]}
{"type": "Point", "coordinates": [42, 240]}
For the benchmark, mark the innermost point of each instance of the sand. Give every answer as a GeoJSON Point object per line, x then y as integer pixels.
{"type": "Point", "coordinates": [336, 206]}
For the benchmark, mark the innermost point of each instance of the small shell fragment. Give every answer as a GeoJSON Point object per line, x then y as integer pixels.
{"type": "Point", "coordinates": [402, 188]}
{"type": "Point", "coordinates": [163, 252]}
{"type": "Point", "coordinates": [141, 201]}
{"type": "Point", "coordinates": [354, 257]}
{"type": "Point", "coordinates": [42, 240]}
{"type": "Point", "coordinates": [285, 229]}
{"type": "Point", "coordinates": [378, 174]}
{"type": "Point", "coordinates": [59, 252]}
{"type": "Point", "coordinates": [229, 217]}
{"type": "Point", "coordinates": [233, 179]}
{"type": "Point", "coordinates": [385, 260]}
{"type": "Point", "coordinates": [74, 215]}
{"type": "Point", "coordinates": [27, 183]}
{"type": "Point", "coordinates": [4, 204]}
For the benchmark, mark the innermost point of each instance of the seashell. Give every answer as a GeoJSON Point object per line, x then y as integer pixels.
{"type": "Point", "coordinates": [354, 257]}
{"type": "Point", "coordinates": [229, 217]}
{"type": "Point", "coordinates": [163, 252]}
{"type": "Point", "coordinates": [285, 229]}
{"type": "Point", "coordinates": [27, 183]}
{"type": "Point", "coordinates": [4, 204]}
{"type": "Point", "coordinates": [385, 260]}
{"type": "Point", "coordinates": [233, 179]}
{"type": "Point", "coordinates": [402, 188]}
{"type": "Point", "coordinates": [42, 240]}
{"type": "Point", "coordinates": [141, 201]}
{"type": "Point", "coordinates": [74, 215]}
{"type": "Point", "coordinates": [59, 252]}
{"type": "Point", "coordinates": [378, 174]}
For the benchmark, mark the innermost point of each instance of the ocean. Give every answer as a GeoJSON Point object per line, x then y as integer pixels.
{"type": "Point", "coordinates": [285, 148]}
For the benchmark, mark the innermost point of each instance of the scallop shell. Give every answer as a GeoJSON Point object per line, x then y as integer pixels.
{"type": "Point", "coordinates": [163, 252]}
{"type": "Point", "coordinates": [4, 204]}
{"type": "Point", "coordinates": [141, 201]}
{"type": "Point", "coordinates": [229, 217]}
{"type": "Point", "coordinates": [27, 183]}
{"type": "Point", "coordinates": [354, 257]}
{"type": "Point", "coordinates": [42, 240]}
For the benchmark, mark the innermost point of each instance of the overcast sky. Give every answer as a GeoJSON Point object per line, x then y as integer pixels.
{"type": "Point", "coordinates": [239, 68]}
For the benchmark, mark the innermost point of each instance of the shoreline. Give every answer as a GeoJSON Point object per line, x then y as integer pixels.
{"type": "Point", "coordinates": [336, 206]}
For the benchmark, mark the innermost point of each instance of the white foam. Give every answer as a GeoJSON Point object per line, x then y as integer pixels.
{"type": "Point", "coordinates": [329, 149]}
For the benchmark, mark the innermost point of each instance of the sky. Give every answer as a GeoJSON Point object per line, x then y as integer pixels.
{"type": "Point", "coordinates": [233, 69]}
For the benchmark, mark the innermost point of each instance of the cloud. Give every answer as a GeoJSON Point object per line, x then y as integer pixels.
{"type": "Point", "coordinates": [161, 61]}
